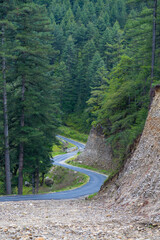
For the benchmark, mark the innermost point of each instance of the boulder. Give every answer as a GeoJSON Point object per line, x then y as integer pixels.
{"type": "Point", "coordinates": [48, 181]}
{"type": "Point", "coordinates": [27, 184]}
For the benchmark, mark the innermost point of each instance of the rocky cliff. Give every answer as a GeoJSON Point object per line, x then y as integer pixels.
{"type": "Point", "coordinates": [138, 185]}
{"type": "Point", "coordinates": [97, 153]}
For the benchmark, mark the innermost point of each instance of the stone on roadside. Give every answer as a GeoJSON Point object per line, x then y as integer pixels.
{"type": "Point", "coordinates": [48, 181]}
{"type": "Point", "coordinates": [40, 238]}
{"type": "Point", "coordinates": [27, 184]}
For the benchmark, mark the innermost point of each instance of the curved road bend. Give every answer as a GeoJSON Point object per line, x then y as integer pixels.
{"type": "Point", "coordinates": [93, 186]}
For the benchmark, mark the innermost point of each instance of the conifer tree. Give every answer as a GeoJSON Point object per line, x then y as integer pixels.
{"type": "Point", "coordinates": [93, 69]}
{"type": "Point", "coordinates": [33, 78]}
{"type": "Point", "coordinates": [5, 25]}
{"type": "Point", "coordinates": [70, 59]}
{"type": "Point", "coordinates": [154, 40]}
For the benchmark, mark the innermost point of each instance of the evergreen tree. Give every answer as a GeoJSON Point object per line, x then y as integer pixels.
{"type": "Point", "coordinates": [58, 38]}
{"type": "Point", "coordinates": [33, 80]}
{"type": "Point", "coordinates": [153, 40]}
{"type": "Point", "coordinates": [70, 59]}
{"type": "Point", "coordinates": [5, 25]}
{"type": "Point", "coordinates": [114, 47]}
{"type": "Point", "coordinates": [93, 70]}
{"type": "Point", "coordinates": [121, 106]}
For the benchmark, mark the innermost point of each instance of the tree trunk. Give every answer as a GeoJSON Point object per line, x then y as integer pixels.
{"type": "Point", "coordinates": [153, 41]}
{"type": "Point", "coordinates": [33, 183]}
{"type": "Point", "coordinates": [37, 179]}
{"type": "Point", "coordinates": [42, 181]}
{"type": "Point", "coordinates": [21, 147]}
{"type": "Point", "coordinates": [5, 110]}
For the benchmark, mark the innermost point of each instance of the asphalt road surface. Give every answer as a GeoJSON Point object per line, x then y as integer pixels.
{"type": "Point", "coordinates": [93, 186]}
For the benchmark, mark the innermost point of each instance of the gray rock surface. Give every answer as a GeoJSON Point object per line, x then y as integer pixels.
{"type": "Point", "coordinates": [97, 153]}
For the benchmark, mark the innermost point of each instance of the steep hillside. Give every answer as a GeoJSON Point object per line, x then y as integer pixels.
{"type": "Point", "coordinates": [138, 186]}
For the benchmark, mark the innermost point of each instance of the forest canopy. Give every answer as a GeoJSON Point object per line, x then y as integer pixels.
{"type": "Point", "coordinates": [81, 63]}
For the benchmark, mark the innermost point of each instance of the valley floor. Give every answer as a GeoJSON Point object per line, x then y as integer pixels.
{"type": "Point", "coordinates": [71, 220]}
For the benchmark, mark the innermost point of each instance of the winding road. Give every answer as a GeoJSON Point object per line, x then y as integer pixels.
{"type": "Point", "coordinates": [93, 185]}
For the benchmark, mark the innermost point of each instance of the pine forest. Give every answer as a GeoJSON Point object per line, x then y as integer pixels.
{"type": "Point", "coordinates": [78, 63]}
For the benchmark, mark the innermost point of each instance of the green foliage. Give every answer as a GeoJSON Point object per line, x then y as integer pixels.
{"type": "Point", "coordinates": [29, 65]}
{"type": "Point", "coordinates": [121, 104]}
{"type": "Point", "coordinates": [79, 121]}
{"type": "Point", "coordinates": [2, 188]}
{"type": "Point", "coordinates": [91, 196]}
{"type": "Point", "coordinates": [123, 109]}
{"type": "Point", "coordinates": [78, 28]}
{"type": "Point", "coordinates": [82, 61]}
{"type": "Point", "coordinates": [71, 133]}
{"type": "Point", "coordinates": [61, 147]}
{"type": "Point", "coordinates": [64, 179]}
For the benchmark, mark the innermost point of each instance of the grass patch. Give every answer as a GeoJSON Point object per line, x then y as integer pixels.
{"type": "Point", "coordinates": [111, 176]}
{"type": "Point", "coordinates": [61, 148]}
{"type": "Point", "coordinates": [2, 188]}
{"type": "Point", "coordinates": [70, 145]}
{"type": "Point", "coordinates": [63, 179]}
{"type": "Point", "coordinates": [73, 162]}
{"type": "Point", "coordinates": [57, 149]}
{"type": "Point", "coordinates": [91, 196]}
{"type": "Point", "coordinates": [74, 134]}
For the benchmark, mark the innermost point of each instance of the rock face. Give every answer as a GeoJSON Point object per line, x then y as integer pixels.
{"type": "Point", "coordinates": [97, 153]}
{"type": "Point", "coordinates": [138, 185]}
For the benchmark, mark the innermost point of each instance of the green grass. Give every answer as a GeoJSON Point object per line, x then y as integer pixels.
{"type": "Point", "coordinates": [111, 175]}
{"type": "Point", "coordinates": [58, 149]}
{"type": "Point", "coordinates": [73, 162]}
{"type": "Point", "coordinates": [64, 179]}
{"type": "Point", "coordinates": [91, 196]}
{"type": "Point", "coordinates": [70, 145]}
{"type": "Point", "coordinates": [71, 133]}
{"type": "Point", "coordinates": [2, 188]}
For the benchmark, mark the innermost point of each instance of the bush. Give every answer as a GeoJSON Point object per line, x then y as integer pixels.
{"type": "Point", "coordinates": [71, 133]}
{"type": "Point", "coordinates": [2, 188]}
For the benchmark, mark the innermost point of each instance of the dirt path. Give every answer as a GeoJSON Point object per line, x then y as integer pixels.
{"type": "Point", "coordinates": [71, 220]}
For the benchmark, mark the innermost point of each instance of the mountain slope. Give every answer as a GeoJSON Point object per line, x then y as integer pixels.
{"type": "Point", "coordinates": [138, 186]}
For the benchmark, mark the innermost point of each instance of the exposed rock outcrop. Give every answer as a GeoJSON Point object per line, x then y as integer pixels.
{"type": "Point", "coordinates": [97, 153]}
{"type": "Point", "coordinates": [138, 185]}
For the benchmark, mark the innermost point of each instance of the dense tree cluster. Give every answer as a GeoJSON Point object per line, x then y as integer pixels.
{"type": "Point", "coordinates": [94, 60]}
{"type": "Point", "coordinates": [121, 104]}
{"type": "Point", "coordinates": [82, 30]}
{"type": "Point", "coordinates": [108, 53]}
{"type": "Point", "coordinates": [30, 105]}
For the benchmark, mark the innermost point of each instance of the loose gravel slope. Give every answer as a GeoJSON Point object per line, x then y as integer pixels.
{"type": "Point", "coordinates": [71, 220]}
